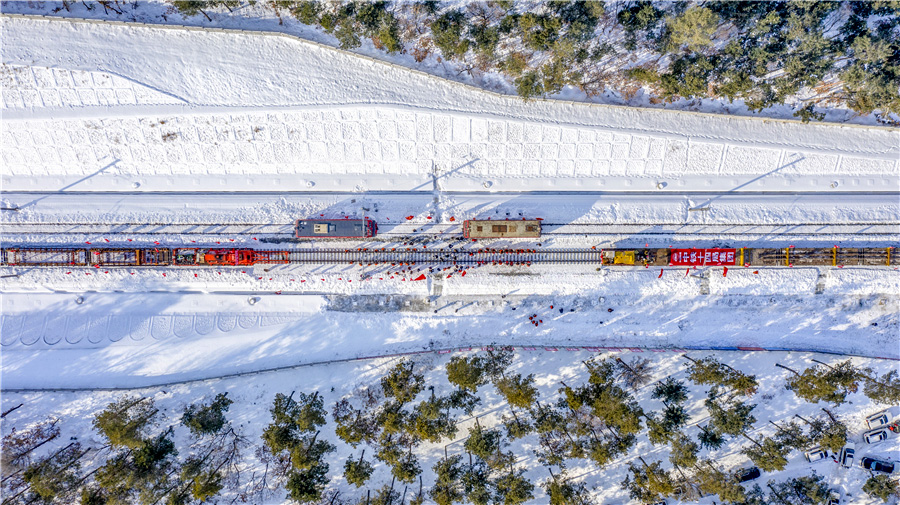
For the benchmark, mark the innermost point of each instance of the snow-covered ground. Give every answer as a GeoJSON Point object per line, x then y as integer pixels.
{"type": "Point", "coordinates": [253, 395]}
{"type": "Point", "coordinates": [110, 108]}
{"type": "Point", "coordinates": [166, 125]}
{"type": "Point", "coordinates": [113, 126]}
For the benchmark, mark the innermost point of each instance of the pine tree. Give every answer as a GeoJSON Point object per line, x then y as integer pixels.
{"type": "Point", "coordinates": [447, 32]}
{"type": "Point", "coordinates": [206, 419]}
{"type": "Point", "coordinates": [709, 438]}
{"type": "Point", "coordinates": [448, 488]}
{"type": "Point", "coordinates": [293, 434]}
{"type": "Point", "coordinates": [402, 383]}
{"type": "Point", "coordinates": [125, 421]}
{"type": "Point", "coordinates": [307, 11]}
{"type": "Point", "coordinates": [670, 391]}
{"type": "Point", "coordinates": [353, 425]}
{"type": "Point", "coordinates": [562, 491]}
{"type": "Point", "coordinates": [497, 361]}
{"type": "Point", "coordinates": [142, 471]}
{"type": "Point", "coordinates": [518, 392]}
{"type": "Point", "coordinates": [306, 485]}
{"type": "Point", "coordinates": [477, 485]}
{"type": "Point", "coordinates": [710, 371]}
{"type": "Point", "coordinates": [713, 481]}
{"type": "Point", "coordinates": [407, 468]}
{"type": "Point", "coordinates": [833, 436]}
{"type": "Point", "coordinates": [464, 400]}
{"type": "Point", "coordinates": [885, 390]}
{"type": "Point", "coordinates": [189, 8]}
{"type": "Point", "coordinates": [431, 420]}
{"type": "Point", "coordinates": [385, 495]}
{"type": "Point", "coordinates": [54, 478]}
{"type": "Point", "coordinates": [882, 486]}
{"type": "Point", "coordinates": [488, 445]}
{"type": "Point", "coordinates": [467, 373]}
{"type": "Point", "coordinates": [767, 454]}
{"type": "Point", "coordinates": [731, 419]}
{"type": "Point", "coordinates": [648, 483]}
{"type": "Point", "coordinates": [791, 435]}
{"type": "Point", "coordinates": [684, 452]}
{"type": "Point", "coordinates": [692, 28]}
{"type": "Point", "coordinates": [824, 383]}
{"type": "Point", "coordinates": [516, 427]}
{"type": "Point", "coordinates": [357, 471]}
{"type": "Point", "coordinates": [512, 488]}
{"type": "Point", "coordinates": [806, 490]}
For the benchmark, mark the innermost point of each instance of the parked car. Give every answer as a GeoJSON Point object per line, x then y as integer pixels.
{"type": "Point", "coordinates": [876, 420]}
{"type": "Point", "coordinates": [876, 465]}
{"type": "Point", "coordinates": [846, 457]}
{"type": "Point", "coordinates": [815, 454]}
{"type": "Point", "coordinates": [873, 437]}
{"type": "Point", "coordinates": [747, 474]}
{"type": "Point", "coordinates": [894, 426]}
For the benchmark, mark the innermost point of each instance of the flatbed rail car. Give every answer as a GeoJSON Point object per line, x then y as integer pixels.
{"type": "Point", "coordinates": [130, 257]}
{"type": "Point", "coordinates": [502, 229]}
{"type": "Point", "coordinates": [834, 256]}
{"type": "Point", "coordinates": [47, 257]}
{"type": "Point", "coordinates": [335, 228]}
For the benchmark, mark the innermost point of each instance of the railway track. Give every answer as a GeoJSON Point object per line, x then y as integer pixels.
{"type": "Point", "coordinates": [405, 257]}
{"type": "Point", "coordinates": [419, 256]}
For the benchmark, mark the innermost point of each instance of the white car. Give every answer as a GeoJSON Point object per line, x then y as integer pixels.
{"type": "Point", "coordinates": [815, 454]}
{"type": "Point", "coordinates": [876, 420]}
{"type": "Point", "coordinates": [875, 436]}
{"type": "Point", "coordinates": [846, 457]}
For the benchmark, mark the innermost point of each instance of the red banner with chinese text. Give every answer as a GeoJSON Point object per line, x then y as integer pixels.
{"type": "Point", "coordinates": [702, 257]}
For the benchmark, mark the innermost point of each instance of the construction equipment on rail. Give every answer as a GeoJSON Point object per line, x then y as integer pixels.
{"type": "Point", "coordinates": [472, 229]}
{"type": "Point", "coordinates": [203, 257]}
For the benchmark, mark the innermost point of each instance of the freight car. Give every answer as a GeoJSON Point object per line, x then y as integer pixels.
{"type": "Point", "coordinates": [48, 257]}
{"type": "Point", "coordinates": [335, 228]}
{"type": "Point", "coordinates": [502, 229]}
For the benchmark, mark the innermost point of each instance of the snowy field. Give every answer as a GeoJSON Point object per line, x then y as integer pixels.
{"type": "Point", "coordinates": [253, 394]}
{"type": "Point", "coordinates": [118, 135]}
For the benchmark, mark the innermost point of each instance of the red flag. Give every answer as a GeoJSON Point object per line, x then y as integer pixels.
{"type": "Point", "coordinates": [660, 273]}
{"type": "Point", "coordinates": [420, 278]}
{"type": "Point", "coordinates": [725, 272]}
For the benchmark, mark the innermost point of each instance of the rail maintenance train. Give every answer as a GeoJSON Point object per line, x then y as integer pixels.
{"type": "Point", "coordinates": [472, 229]}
